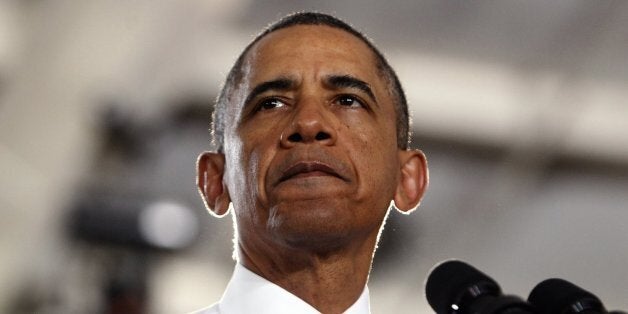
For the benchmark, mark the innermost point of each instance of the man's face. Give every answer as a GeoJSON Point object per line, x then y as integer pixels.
{"type": "Point", "coordinates": [310, 143]}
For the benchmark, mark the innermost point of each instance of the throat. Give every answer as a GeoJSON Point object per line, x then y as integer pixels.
{"type": "Point", "coordinates": [330, 287]}
{"type": "Point", "coordinates": [329, 281]}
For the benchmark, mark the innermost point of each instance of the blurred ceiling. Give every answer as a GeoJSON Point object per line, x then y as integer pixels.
{"type": "Point", "coordinates": [574, 37]}
{"type": "Point", "coordinates": [538, 77]}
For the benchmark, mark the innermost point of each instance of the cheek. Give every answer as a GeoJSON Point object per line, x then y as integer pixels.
{"type": "Point", "coordinates": [372, 137]}
{"type": "Point", "coordinates": [258, 148]}
{"type": "Point", "coordinates": [373, 150]}
{"type": "Point", "coordinates": [242, 174]}
{"type": "Point", "coordinates": [234, 161]}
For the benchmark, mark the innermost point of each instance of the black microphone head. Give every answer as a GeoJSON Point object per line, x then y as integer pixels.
{"type": "Point", "coordinates": [555, 295]}
{"type": "Point", "coordinates": [450, 282]}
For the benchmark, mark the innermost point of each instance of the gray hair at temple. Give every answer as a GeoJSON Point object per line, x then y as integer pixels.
{"type": "Point", "coordinates": [310, 18]}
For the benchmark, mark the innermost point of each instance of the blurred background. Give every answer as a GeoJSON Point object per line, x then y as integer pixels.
{"type": "Point", "coordinates": [520, 106]}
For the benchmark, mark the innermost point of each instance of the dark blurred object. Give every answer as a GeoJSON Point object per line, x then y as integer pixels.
{"type": "Point", "coordinates": [132, 208]}
{"type": "Point", "coordinates": [561, 296]}
{"type": "Point", "coordinates": [120, 133]}
{"type": "Point", "coordinates": [454, 287]}
{"type": "Point", "coordinates": [126, 290]}
{"type": "Point", "coordinates": [134, 223]}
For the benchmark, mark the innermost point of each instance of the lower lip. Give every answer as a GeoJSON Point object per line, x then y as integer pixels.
{"type": "Point", "coordinates": [310, 174]}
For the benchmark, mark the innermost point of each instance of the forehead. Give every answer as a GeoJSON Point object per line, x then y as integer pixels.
{"type": "Point", "coordinates": [317, 48]}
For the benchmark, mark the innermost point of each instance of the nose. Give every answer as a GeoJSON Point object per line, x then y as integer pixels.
{"type": "Point", "coordinates": [310, 123]}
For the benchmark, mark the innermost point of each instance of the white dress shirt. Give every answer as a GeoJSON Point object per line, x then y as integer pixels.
{"type": "Point", "coordinates": [249, 293]}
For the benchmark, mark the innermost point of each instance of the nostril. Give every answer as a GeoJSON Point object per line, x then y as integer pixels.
{"type": "Point", "coordinates": [295, 137]}
{"type": "Point", "coordinates": [320, 136]}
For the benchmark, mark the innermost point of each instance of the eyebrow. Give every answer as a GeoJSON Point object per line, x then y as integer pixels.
{"type": "Point", "coordinates": [334, 81]}
{"type": "Point", "coordinates": [348, 81]}
{"type": "Point", "coordinates": [281, 84]}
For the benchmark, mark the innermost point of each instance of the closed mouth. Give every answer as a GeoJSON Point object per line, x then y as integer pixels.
{"type": "Point", "coordinates": [306, 169]}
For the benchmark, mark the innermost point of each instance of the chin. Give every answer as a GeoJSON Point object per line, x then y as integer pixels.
{"type": "Point", "coordinates": [320, 229]}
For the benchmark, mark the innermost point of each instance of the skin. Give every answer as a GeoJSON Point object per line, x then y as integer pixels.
{"type": "Point", "coordinates": [311, 164]}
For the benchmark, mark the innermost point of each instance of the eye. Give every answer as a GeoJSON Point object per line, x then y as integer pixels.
{"type": "Point", "coordinates": [270, 103]}
{"type": "Point", "coordinates": [349, 101]}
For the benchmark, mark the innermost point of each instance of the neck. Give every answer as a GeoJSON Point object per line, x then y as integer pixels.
{"type": "Point", "coordinates": [329, 281]}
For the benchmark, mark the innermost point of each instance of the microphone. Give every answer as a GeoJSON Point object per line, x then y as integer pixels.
{"type": "Point", "coordinates": [558, 296]}
{"type": "Point", "coordinates": [454, 287]}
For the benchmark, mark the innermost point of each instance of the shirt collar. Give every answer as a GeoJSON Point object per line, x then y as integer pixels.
{"type": "Point", "coordinates": [247, 292]}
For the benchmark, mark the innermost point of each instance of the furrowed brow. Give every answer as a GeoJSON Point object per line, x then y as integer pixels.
{"type": "Point", "coordinates": [348, 81]}
{"type": "Point", "coordinates": [280, 84]}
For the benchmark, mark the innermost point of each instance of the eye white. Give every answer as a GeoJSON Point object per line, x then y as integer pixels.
{"type": "Point", "coordinates": [271, 104]}
{"type": "Point", "coordinates": [349, 101]}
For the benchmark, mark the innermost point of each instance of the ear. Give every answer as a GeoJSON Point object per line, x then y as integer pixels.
{"type": "Point", "coordinates": [209, 179]}
{"type": "Point", "coordinates": [412, 181]}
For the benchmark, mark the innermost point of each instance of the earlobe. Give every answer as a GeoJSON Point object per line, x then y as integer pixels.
{"type": "Point", "coordinates": [413, 180]}
{"type": "Point", "coordinates": [209, 180]}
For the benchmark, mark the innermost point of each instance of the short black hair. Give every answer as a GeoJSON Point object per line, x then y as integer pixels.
{"type": "Point", "coordinates": [313, 18]}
